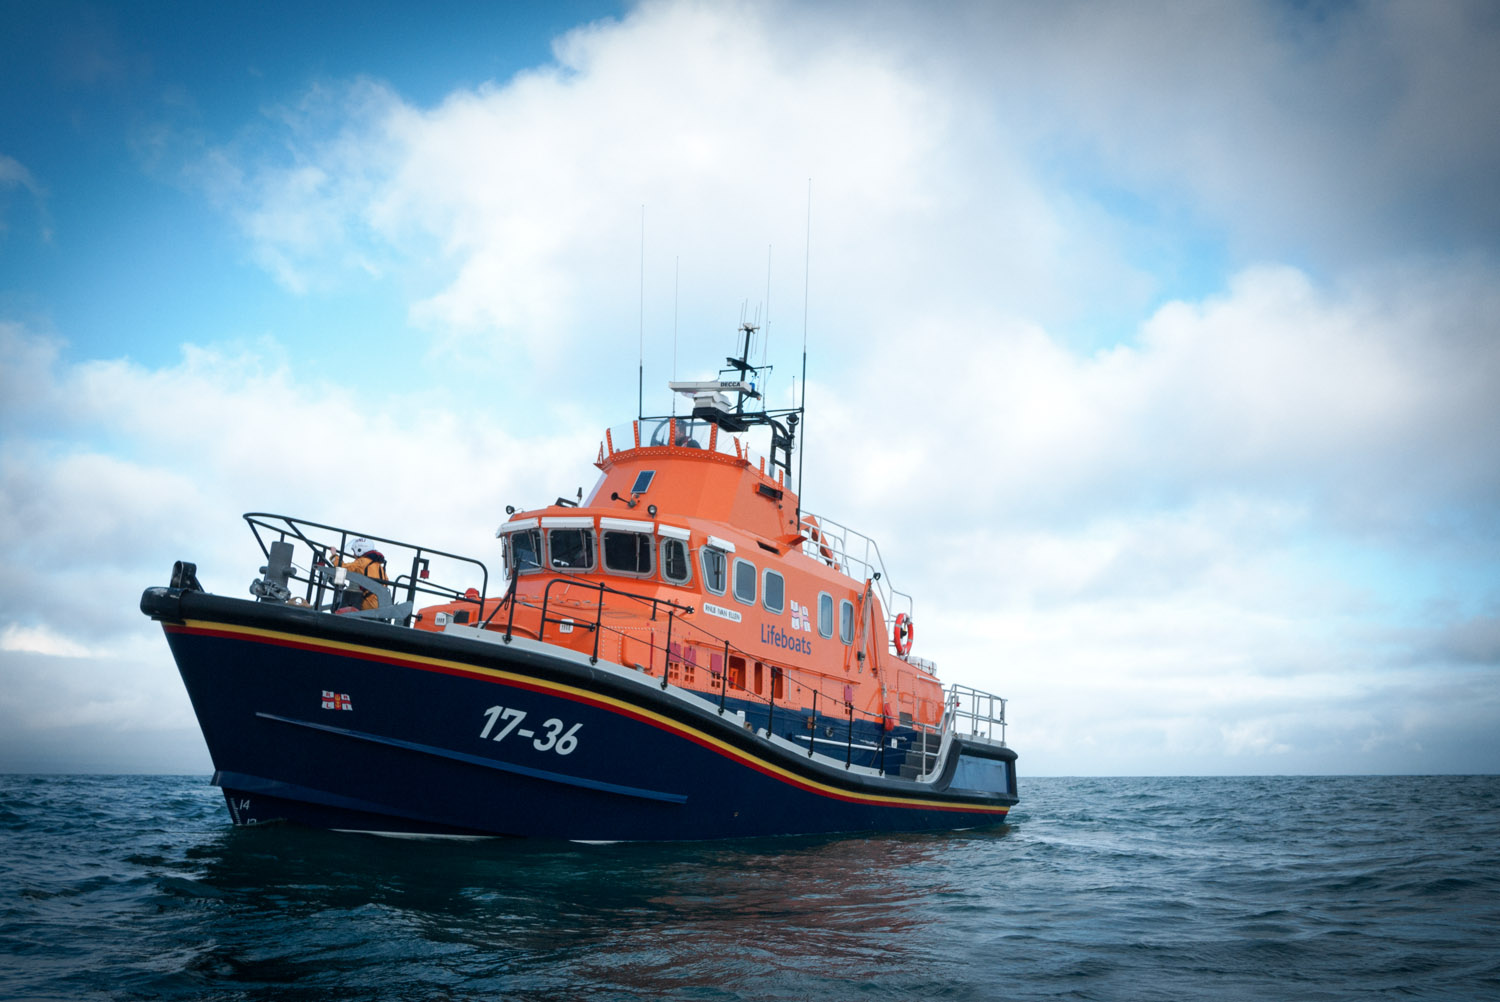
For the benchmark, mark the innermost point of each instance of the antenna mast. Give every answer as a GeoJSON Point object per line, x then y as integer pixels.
{"type": "Point", "coordinates": [765, 344]}
{"type": "Point", "coordinates": [676, 267]}
{"type": "Point", "coordinates": [640, 372]}
{"type": "Point", "coordinates": [802, 406]}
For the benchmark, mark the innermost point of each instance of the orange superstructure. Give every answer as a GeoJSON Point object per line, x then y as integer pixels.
{"type": "Point", "coordinates": [692, 557]}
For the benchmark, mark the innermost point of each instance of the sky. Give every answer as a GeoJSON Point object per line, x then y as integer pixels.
{"type": "Point", "coordinates": [1157, 344]}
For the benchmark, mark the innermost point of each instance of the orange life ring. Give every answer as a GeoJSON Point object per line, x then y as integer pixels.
{"type": "Point", "coordinates": [903, 634]}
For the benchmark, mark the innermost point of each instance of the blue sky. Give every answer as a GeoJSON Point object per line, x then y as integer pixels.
{"type": "Point", "coordinates": [1157, 345]}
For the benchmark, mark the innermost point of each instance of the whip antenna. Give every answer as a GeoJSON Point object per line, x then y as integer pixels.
{"type": "Point", "coordinates": [676, 266]}
{"type": "Point", "coordinates": [765, 344]}
{"type": "Point", "coordinates": [802, 407]}
{"type": "Point", "coordinates": [640, 372]}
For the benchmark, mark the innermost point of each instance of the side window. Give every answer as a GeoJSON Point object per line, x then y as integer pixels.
{"type": "Point", "coordinates": [715, 570]}
{"type": "Point", "coordinates": [825, 614]}
{"type": "Point", "coordinates": [627, 552]}
{"type": "Point", "coordinates": [744, 581]}
{"type": "Point", "coordinates": [523, 550]}
{"type": "Point", "coordinates": [773, 591]}
{"type": "Point", "coordinates": [674, 561]}
{"type": "Point", "coordinates": [571, 549]}
{"type": "Point", "coordinates": [846, 621]}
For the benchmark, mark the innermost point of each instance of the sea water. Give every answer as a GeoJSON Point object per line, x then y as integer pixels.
{"type": "Point", "coordinates": [1363, 887]}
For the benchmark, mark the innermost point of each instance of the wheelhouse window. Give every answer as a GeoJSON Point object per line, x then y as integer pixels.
{"type": "Point", "coordinates": [773, 591]}
{"type": "Point", "coordinates": [691, 434]}
{"type": "Point", "coordinates": [571, 549]}
{"type": "Point", "coordinates": [744, 581]}
{"type": "Point", "coordinates": [846, 621]}
{"type": "Point", "coordinates": [825, 614]}
{"type": "Point", "coordinates": [627, 552]}
{"type": "Point", "coordinates": [715, 569]}
{"type": "Point", "coordinates": [523, 551]}
{"type": "Point", "coordinates": [674, 561]}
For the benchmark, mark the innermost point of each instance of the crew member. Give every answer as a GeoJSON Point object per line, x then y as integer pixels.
{"type": "Point", "coordinates": [367, 561]}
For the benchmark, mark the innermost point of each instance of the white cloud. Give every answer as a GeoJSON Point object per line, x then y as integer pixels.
{"type": "Point", "coordinates": [145, 466]}
{"type": "Point", "coordinates": [14, 174]}
{"type": "Point", "coordinates": [1367, 406]}
{"type": "Point", "coordinates": [42, 640]}
{"type": "Point", "coordinates": [519, 203]}
{"type": "Point", "coordinates": [1346, 134]}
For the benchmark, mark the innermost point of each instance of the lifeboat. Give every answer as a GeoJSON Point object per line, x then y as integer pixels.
{"type": "Point", "coordinates": [684, 653]}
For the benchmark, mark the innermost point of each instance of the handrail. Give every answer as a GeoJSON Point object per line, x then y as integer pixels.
{"type": "Point", "coordinates": [603, 589]}
{"type": "Point", "coordinates": [834, 537]}
{"type": "Point", "coordinates": [977, 708]}
{"type": "Point", "coordinates": [415, 580]}
{"type": "Point", "coordinates": [790, 677]}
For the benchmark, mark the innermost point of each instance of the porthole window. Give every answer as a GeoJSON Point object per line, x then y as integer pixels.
{"type": "Point", "coordinates": [744, 581]}
{"type": "Point", "coordinates": [715, 570]}
{"type": "Point", "coordinates": [674, 561]}
{"type": "Point", "coordinates": [825, 614]}
{"type": "Point", "coordinates": [571, 549]}
{"type": "Point", "coordinates": [846, 621]}
{"type": "Point", "coordinates": [627, 552]}
{"type": "Point", "coordinates": [773, 591]}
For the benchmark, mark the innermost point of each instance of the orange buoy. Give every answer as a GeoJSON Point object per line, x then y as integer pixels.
{"type": "Point", "coordinates": [903, 633]}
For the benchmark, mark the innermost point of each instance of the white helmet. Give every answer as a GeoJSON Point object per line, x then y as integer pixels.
{"type": "Point", "coordinates": [360, 547]}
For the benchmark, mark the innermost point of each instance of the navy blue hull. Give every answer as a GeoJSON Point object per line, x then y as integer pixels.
{"type": "Point", "coordinates": [367, 726]}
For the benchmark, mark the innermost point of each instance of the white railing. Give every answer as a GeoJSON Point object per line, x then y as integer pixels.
{"type": "Point", "coordinates": [974, 712]}
{"type": "Point", "coordinates": [921, 664]}
{"type": "Point", "coordinates": [857, 555]}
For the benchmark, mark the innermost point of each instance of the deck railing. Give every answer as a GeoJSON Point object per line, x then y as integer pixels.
{"type": "Point", "coordinates": [790, 692]}
{"type": "Point", "coordinates": [283, 534]}
{"type": "Point", "coordinates": [975, 712]}
{"type": "Point", "coordinates": [856, 555]}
